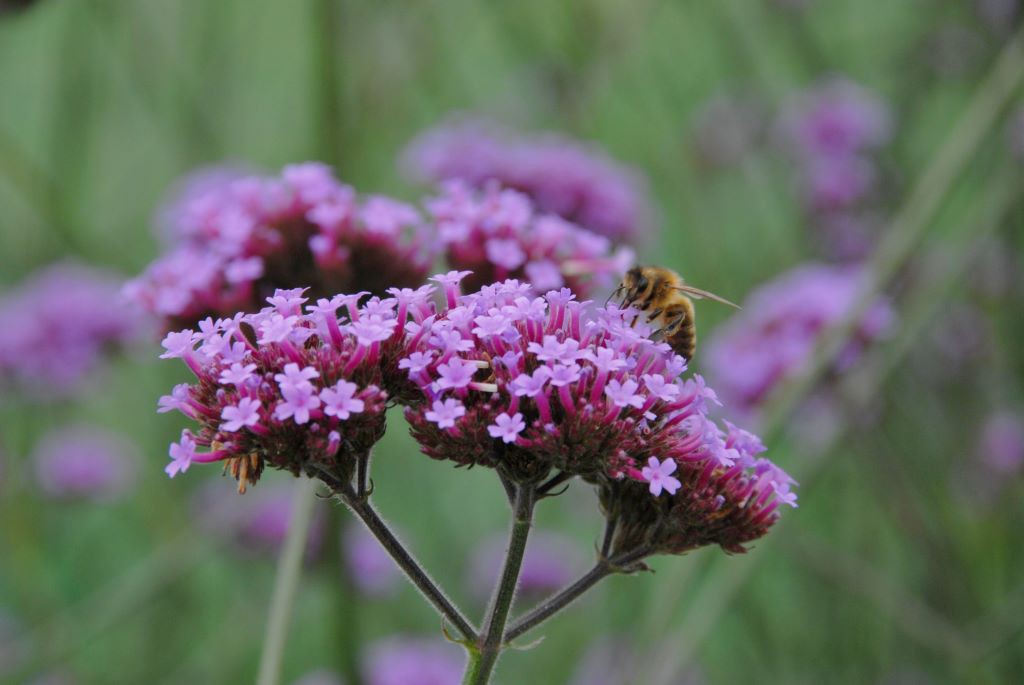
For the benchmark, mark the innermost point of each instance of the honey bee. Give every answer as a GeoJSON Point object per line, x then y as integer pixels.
{"type": "Point", "coordinates": [662, 295]}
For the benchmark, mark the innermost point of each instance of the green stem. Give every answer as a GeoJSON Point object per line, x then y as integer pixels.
{"type": "Point", "coordinates": [347, 642]}
{"type": "Point", "coordinates": [601, 570]}
{"type": "Point", "coordinates": [289, 571]}
{"type": "Point", "coordinates": [327, 63]}
{"type": "Point", "coordinates": [416, 574]}
{"type": "Point", "coordinates": [485, 656]}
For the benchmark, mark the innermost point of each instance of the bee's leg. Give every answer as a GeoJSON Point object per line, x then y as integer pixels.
{"type": "Point", "coordinates": [673, 324]}
{"type": "Point", "coordinates": [654, 314]}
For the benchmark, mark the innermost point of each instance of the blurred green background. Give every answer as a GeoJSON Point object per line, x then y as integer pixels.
{"type": "Point", "coordinates": [888, 572]}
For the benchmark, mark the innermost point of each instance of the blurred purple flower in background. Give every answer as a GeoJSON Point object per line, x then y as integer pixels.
{"type": "Point", "coordinates": [833, 130]}
{"type": "Point", "coordinates": [58, 323]}
{"type": "Point", "coordinates": [373, 572]}
{"type": "Point", "coordinates": [414, 661]}
{"type": "Point", "coordinates": [174, 215]}
{"type": "Point", "coordinates": [496, 234]}
{"type": "Point", "coordinates": [257, 524]}
{"type": "Point", "coordinates": [85, 462]}
{"type": "Point", "coordinates": [1001, 444]}
{"type": "Point", "coordinates": [574, 180]}
{"type": "Point", "coordinates": [837, 118]}
{"type": "Point", "coordinates": [776, 333]}
{"type": "Point", "coordinates": [552, 561]}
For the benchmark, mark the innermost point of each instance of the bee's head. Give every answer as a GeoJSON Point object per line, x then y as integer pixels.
{"type": "Point", "coordinates": [635, 283]}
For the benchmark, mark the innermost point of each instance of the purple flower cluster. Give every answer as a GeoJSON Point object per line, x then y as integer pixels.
{"type": "Point", "coordinates": [59, 322]}
{"type": "Point", "coordinates": [499, 378]}
{"type": "Point", "coordinates": [301, 390]}
{"type": "Point", "coordinates": [240, 238]}
{"type": "Point", "coordinates": [834, 129]}
{"type": "Point", "coordinates": [84, 462]}
{"type": "Point", "coordinates": [577, 182]}
{"type": "Point", "coordinates": [496, 234]}
{"type": "Point", "coordinates": [532, 384]}
{"type": "Point", "coordinates": [781, 322]}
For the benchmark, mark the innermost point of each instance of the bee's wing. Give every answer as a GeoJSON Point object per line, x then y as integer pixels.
{"type": "Point", "coordinates": [704, 294]}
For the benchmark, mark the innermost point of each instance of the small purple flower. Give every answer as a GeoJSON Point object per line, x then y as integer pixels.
{"type": "Point", "coordinates": [370, 330]}
{"type": "Point", "coordinates": [237, 374]}
{"type": "Point", "coordinates": [455, 374]}
{"type": "Point", "coordinates": [295, 378]}
{"type": "Point", "coordinates": [276, 328]}
{"type": "Point", "coordinates": [178, 344]}
{"type": "Point", "coordinates": [507, 427]}
{"type": "Point", "coordinates": [182, 454]}
{"type": "Point", "coordinates": [445, 413]}
{"type": "Point", "coordinates": [297, 404]}
{"type": "Point", "coordinates": [624, 394]}
{"type": "Point", "coordinates": [341, 400]}
{"type": "Point", "coordinates": [246, 413]}
{"type": "Point", "coordinates": [564, 374]}
{"type": "Point", "coordinates": [659, 475]}
{"type": "Point", "coordinates": [531, 385]}
{"type": "Point", "coordinates": [417, 361]}
{"type": "Point", "coordinates": [658, 386]}
{"type": "Point", "coordinates": [84, 462]}
{"type": "Point", "coordinates": [177, 400]}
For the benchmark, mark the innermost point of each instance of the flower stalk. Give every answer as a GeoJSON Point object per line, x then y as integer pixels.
{"type": "Point", "coordinates": [485, 655]}
{"type": "Point", "coordinates": [622, 563]}
{"type": "Point", "coordinates": [361, 507]}
{"type": "Point", "coordinates": [289, 571]}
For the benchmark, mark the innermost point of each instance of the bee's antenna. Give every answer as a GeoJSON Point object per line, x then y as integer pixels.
{"type": "Point", "coordinates": [702, 294]}
{"type": "Point", "coordinates": [613, 294]}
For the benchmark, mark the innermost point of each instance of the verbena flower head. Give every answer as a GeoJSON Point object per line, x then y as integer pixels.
{"type": "Point", "coordinates": [551, 562]}
{"type": "Point", "coordinates": [241, 238]}
{"type": "Point", "coordinates": [1001, 445]}
{"type": "Point", "coordinates": [837, 118]}
{"type": "Point", "coordinates": [775, 334]}
{"type": "Point", "coordinates": [58, 326]}
{"type": "Point", "coordinates": [497, 234]}
{"type": "Point", "coordinates": [413, 661]}
{"type": "Point", "coordinates": [83, 462]}
{"type": "Point", "coordinates": [573, 180]}
{"type": "Point", "coordinates": [532, 385]}
{"type": "Point", "coordinates": [299, 386]}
